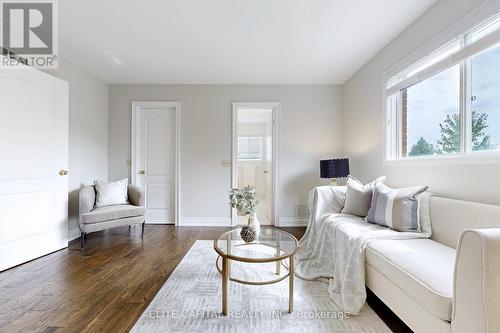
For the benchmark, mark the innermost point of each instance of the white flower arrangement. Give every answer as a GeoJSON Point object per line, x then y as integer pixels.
{"type": "Point", "coordinates": [243, 200]}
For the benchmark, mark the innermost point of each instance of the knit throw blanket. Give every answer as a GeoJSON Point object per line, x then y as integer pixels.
{"type": "Point", "coordinates": [334, 244]}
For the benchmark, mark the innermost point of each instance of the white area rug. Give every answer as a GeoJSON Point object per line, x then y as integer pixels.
{"type": "Point", "coordinates": [190, 301]}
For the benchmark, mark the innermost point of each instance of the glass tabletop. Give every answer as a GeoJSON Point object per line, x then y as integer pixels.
{"type": "Point", "coordinates": [272, 244]}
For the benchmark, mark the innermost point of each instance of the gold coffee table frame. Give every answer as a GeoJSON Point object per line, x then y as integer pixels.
{"type": "Point", "coordinates": [225, 271]}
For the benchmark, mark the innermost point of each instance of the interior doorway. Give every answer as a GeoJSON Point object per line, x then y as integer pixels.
{"type": "Point", "coordinates": [155, 158]}
{"type": "Point", "coordinates": [254, 160]}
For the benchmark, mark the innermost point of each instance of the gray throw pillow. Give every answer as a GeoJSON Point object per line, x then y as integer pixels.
{"type": "Point", "coordinates": [358, 197]}
{"type": "Point", "coordinates": [396, 208]}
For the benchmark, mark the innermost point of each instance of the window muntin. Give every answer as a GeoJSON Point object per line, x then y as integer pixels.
{"type": "Point", "coordinates": [448, 103]}
{"type": "Point", "coordinates": [249, 148]}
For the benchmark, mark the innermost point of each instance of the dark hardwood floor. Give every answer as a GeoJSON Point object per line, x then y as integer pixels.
{"type": "Point", "coordinates": [108, 288]}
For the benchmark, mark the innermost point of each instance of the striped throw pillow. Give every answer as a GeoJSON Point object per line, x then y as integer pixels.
{"type": "Point", "coordinates": [395, 208]}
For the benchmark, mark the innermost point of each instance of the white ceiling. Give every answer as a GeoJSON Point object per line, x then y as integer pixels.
{"type": "Point", "coordinates": [230, 41]}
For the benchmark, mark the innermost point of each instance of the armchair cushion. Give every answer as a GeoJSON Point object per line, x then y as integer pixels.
{"type": "Point", "coordinates": [108, 213]}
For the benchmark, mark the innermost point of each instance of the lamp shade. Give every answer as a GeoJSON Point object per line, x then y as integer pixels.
{"type": "Point", "coordinates": [335, 168]}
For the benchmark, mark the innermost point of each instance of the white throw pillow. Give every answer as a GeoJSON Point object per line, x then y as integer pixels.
{"type": "Point", "coordinates": [109, 194]}
{"type": "Point", "coordinates": [358, 197]}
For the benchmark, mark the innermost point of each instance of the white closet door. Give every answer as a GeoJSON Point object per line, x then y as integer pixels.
{"type": "Point", "coordinates": [34, 158]}
{"type": "Point", "coordinates": [155, 161]}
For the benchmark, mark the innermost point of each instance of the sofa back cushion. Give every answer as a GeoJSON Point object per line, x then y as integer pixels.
{"type": "Point", "coordinates": [450, 217]}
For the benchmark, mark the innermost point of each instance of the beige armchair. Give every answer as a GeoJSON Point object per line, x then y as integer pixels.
{"type": "Point", "coordinates": [96, 219]}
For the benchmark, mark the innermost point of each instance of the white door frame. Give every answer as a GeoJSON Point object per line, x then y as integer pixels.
{"type": "Point", "coordinates": [159, 105]}
{"type": "Point", "coordinates": [275, 106]}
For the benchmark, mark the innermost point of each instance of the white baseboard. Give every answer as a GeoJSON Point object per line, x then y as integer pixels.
{"type": "Point", "coordinates": [293, 222]}
{"type": "Point", "coordinates": [159, 222]}
{"type": "Point", "coordinates": [226, 222]}
{"type": "Point", "coordinates": [205, 221]}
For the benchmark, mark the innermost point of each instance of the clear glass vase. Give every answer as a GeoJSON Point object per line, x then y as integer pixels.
{"type": "Point", "coordinates": [254, 222]}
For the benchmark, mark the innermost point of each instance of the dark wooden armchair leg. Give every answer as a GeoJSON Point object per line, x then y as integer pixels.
{"type": "Point", "coordinates": [82, 240]}
{"type": "Point", "coordinates": [142, 233]}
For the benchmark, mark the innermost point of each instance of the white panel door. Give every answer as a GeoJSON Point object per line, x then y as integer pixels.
{"type": "Point", "coordinates": [155, 161]}
{"type": "Point", "coordinates": [33, 176]}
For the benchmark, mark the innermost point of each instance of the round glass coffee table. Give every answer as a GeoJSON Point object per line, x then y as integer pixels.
{"type": "Point", "coordinates": [272, 245]}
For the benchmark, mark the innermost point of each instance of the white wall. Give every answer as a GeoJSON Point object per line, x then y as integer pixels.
{"type": "Point", "coordinates": [363, 118]}
{"type": "Point", "coordinates": [88, 132]}
{"type": "Point", "coordinates": [311, 129]}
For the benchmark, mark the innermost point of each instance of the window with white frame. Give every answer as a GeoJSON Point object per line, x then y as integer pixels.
{"type": "Point", "coordinates": [249, 148]}
{"type": "Point", "coordinates": [448, 104]}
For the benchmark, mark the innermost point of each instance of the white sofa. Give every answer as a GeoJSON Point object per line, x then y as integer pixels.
{"type": "Point", "coordinates": [449, 283]}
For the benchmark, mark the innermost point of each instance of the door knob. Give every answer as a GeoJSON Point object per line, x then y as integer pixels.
{"type": "Point", "coordinates": [63, 173]}
{"type": "Point", "coordinates": [142, 172]}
